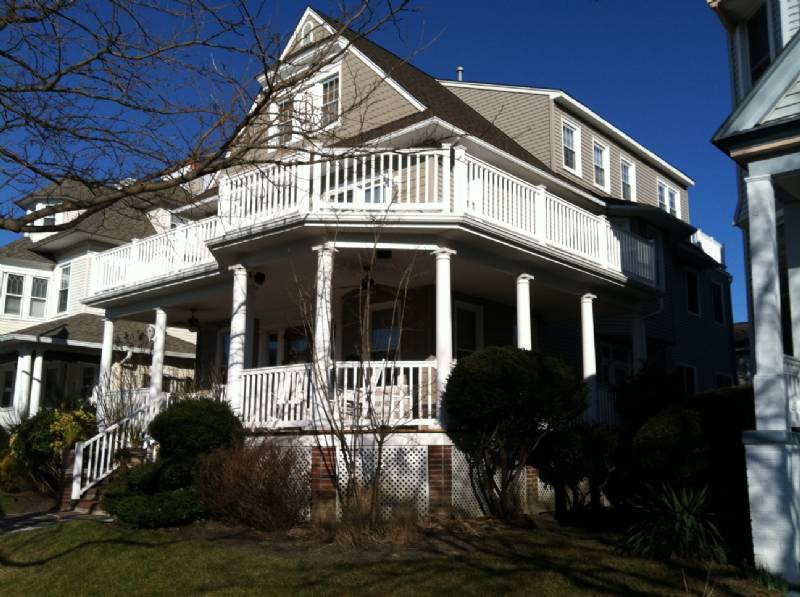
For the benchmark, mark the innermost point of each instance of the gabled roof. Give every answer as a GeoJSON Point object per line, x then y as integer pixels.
{"type": "Point", "coordinates": [22, 250]}
{"type": "Point", "coordinates": [118, 223]}
{"type": "Point", "coordinates": [755, 117]}
{"type": "Point", "coordinates": [86, 329]}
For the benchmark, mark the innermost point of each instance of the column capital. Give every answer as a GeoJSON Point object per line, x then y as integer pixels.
{"type": "Point", "coordinates": [758, 178]}
{"type": "Point", "coordinates": [328, 247]}
{"type": "Point", "coordinates": [588, 297]}
{"type": "Point", "coordinates": [107, 319]}
{"type": "Point", "coordinates": [525, 278]}
{"type": "Point", "coordinates": [25, 350]}
{"type": "Point", "coordinates": [237, 268]}
{"type": "Point", "coordinates": [443, 253]}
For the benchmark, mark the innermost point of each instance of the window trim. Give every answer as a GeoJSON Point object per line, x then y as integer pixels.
{"type": "Point", "coordinates": [326, 79]}
{"type": "Point", "coordinates": [577, 142]}
{"type": "Point", "coordinates": [660, 181]}
{"type": "Point", "coordinates": [699, 312]}
{"type": "Point", "coordinates": [606, 149]}
{"type": "Point", "coordinates": [43, 299]}
{"type": "Point", "coordinates": [21, 295]}
{"type": "Point", "coordinates": [279, 123]}
{"type": "Point", "coordinates": [623, 159]}
{"type": "Point", "coordinates": [68, 268]}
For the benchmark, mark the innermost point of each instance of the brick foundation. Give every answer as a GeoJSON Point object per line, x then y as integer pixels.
{"type": "Point", "coordinates": [440, 477]}
{"type": "Point", "coordinates": [323, 487]}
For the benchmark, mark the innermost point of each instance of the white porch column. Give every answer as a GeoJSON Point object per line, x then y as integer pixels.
{"type": "Point", "coordinates": [588, 348]}
{"type": "Point", "coordinates": [22, 385]}
{"type": "Point", "coordinates": [639, 343]}
{"type": "Point", "coordinates": [323, 312]}
{"type": "Point", "coordinates": [157, 362]}
{"type": "Point", "coordinates": [236, 346]}
{"type": "Point", "coordinates": [106, 355]}
{"type": "Point", "coordinates": [768, 382]}
{"type": "Point", "coordinates": [36, 383]}
{"type": "Point", "coordinates": [524, 336]}
{"type": "Point", "coordinates": [791, 224]}
{"type": "Point", "coordinates": [444, 317]}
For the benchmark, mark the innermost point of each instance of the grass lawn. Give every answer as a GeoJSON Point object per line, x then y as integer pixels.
{"type": "Point", "coordinates": [86, 557]}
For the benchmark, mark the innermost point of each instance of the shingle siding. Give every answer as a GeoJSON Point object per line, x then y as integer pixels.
{"type": "Point", "coordinates": [523, 116]}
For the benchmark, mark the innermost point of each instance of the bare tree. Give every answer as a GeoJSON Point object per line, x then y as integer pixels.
{"type": "Point", "coordinates": [133, 99]}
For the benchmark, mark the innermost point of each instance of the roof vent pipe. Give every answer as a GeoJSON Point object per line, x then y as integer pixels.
{"type": "Point", "coordinates": [460, 73]}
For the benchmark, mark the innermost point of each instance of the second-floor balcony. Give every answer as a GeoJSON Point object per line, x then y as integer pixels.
{"type": "Point", "coordinates": [437, 185]}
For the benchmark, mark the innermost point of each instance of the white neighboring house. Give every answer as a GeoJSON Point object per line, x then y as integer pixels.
{"type": "Point", "coordinates": [552, 230]}
{"type": "Point", "coordinates": [763, 136]}
{"type": "Point", "coordinates": [50, 341]}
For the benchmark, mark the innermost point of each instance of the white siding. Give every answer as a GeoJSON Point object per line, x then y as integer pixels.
{"type": "Point", "coordinates": [788, 105]}
{"type": "Point", "coordinates": [791, 19]}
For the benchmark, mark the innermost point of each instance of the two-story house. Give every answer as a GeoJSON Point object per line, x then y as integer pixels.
{"type": "Point", "coordinates": [539, 225]}
{"type": "Point", "coordinates": [762, 135]}
{"type": "Point", "coordinates": [50, 341]}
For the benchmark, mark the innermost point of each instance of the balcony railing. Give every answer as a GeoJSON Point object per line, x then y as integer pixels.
{"type": "Point", "coordinates": [357, 394]}
{"type": "Point", "coordinates": [397, 182]}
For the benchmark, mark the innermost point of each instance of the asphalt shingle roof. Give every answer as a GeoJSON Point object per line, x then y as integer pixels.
{"type": "Point", "coordinates": [87, 327]}
{"type": "Point", "coordinates": [23, 249]}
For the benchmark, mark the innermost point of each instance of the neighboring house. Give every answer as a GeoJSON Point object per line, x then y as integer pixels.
{"type": "Point", "coordinates": [49, 340]}
{"type": "Point", "coordinates": [552, 230]}
{"type": "Point", "coordinates": [763, 136]}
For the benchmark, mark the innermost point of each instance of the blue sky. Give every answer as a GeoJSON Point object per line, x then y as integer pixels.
{"type": "Point", "coordinates": [658, 73]}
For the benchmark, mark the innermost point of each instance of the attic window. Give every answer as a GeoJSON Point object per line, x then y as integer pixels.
{"type": "Point", "coordinates": [307, 36]}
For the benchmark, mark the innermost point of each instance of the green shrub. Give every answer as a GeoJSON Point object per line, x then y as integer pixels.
{"type": "Point", "coordinates": [164, 509]}
{"type": "Point", "coordinates": [500, 403]}
{"type": "Point", "coordinates": [188, 428]}
{"type": "Point", "coordinates": [649, 392]}
{"type": "Point", "coordinates": [674, 524]}
{"type": "Point", "coordinates": [31, 447]}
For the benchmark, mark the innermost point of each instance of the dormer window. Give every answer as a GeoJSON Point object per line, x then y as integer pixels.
{"type": "Point", "coordinates": [601, 160]}
{"type": "Point", "coordinates": [627, 175]}
{"type": "Point", "coordinates": [330, 101]}
{"type": "Point", "coordinates": [668, 198]}
{"type": "Point", "coordinates": [571, 143]}
{"type": "Point", "coordinates": [758, 43]}
{"type": "Point", "coordinates": [13, 302]}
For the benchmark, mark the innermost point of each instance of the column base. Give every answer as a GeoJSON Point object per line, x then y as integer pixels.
{"type": "Point", "coordinates": [773, 481]}
{"type": "Point", "coordinates": [771, 404]}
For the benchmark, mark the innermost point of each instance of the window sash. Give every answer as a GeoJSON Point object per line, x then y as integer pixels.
{"type": "Point", "coordinates": [15, 284]}
{"type": "Point", "coordinates": [600, 155]}
{"type": "Point", "coordinates": [330, 101]}
{"type": "Point", "coordinates": [63, 289]}
{"type": "Point", "coordinates": [568, 134]}
{"type": "Point", "coordinates": [626, 169]}
{"type": "Point", "coordinates": [285, 114]}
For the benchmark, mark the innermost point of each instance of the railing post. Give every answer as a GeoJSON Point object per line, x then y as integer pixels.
{"type": "Point", "coordinates": [460, 182]}
{"type": "Point", "coordinates": [604, 236]}
{"type": "Point", "coordinates": [540, 212]}
{"type": "Point", "coordinates": [77, 471]}
{"type": "Point", "coordinates": [447, 174]}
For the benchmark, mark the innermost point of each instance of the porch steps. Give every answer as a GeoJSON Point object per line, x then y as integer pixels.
{"type": "Point", "coordinates": [90, 501]}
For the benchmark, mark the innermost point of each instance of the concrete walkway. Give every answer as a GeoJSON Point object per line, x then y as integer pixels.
{"type": "Point", "coordinates": [18, 523]}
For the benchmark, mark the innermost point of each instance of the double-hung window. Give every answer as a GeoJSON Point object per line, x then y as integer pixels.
{"type": "Point", "coordinates": [63, 289]}
{"type": "Point", "coordinates": [285, 115]}
{"type": "Point", "coordinates": [571, 145]}
{"type": "Point", "coordinates": [38, 297]}
{"type": "Point", "coordinates": [600, 153]}
{"type": "Point", "coordinates": [668, 198]}
{"type": "Point", "coordinates": [627, 175]}
{"type": "Point", "coordinates": [13, 302]}
{"type": "Point", "coordinates": [330, 101]}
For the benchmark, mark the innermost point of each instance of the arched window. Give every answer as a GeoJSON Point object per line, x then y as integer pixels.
{"type": "Point", "coordinates": [307, 34]}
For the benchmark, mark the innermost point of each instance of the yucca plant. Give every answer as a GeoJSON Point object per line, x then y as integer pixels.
{"type": "Point", "coordinates": [674, 523]}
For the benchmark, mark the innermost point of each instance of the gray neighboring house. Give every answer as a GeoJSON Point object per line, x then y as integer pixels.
{"type": "Point", "coordinates": [762, 135]}
{"type": "Point", "coordinates": [50, 342]}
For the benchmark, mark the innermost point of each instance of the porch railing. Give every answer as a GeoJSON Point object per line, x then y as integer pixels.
{"type": "Point", "coordinates": [408, 182]}
{"type": "Point", "coordinates": [359, 394]}
{"type": "Point", "coordinates": [176, 250]}
{"type": "Point", "coordinates": [95, 458]}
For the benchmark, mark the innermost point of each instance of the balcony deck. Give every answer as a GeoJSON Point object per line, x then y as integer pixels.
{"type": "Point", "coordinates": [412, 184]}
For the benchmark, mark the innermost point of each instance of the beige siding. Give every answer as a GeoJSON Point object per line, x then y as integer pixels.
{"type": "Point", "coordinates": [368, 101]}
{"type": "Point", "coordinates": [522, 116]}
{"type": "Point", "coordinates": [646, 174]}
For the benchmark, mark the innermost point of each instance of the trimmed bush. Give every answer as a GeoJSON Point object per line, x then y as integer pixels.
{"type": "Point", "coordinates": [259, 486]}
{"type": "Point", "coordinates": [500, 403]}
{"type": "Point", "coordinates": [164, 509]}
{"type": "Point", "coordinates": [189, 428]}
{"type": "Point", "coordinates": [671, 446]}
{"type": "Point", "coordinates": [32, 451]}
